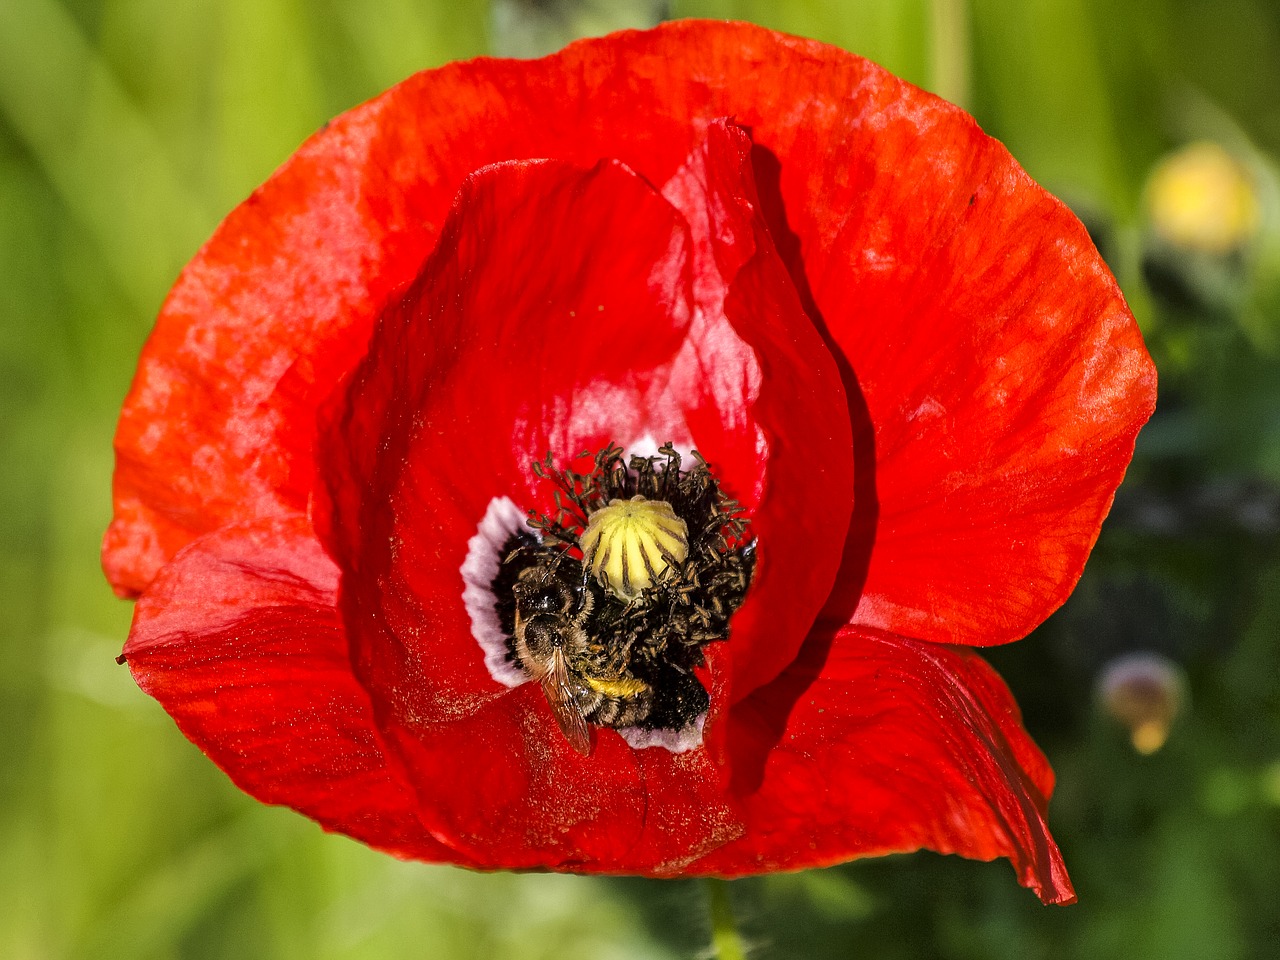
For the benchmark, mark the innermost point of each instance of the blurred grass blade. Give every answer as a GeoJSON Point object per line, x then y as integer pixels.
{"type": "Point", "coordinates": [404, 36]}
{"type": "Point", "coordinates": [1041, 89]}
{"type": "Point", "coordinates": [267, 93]}
{"type": "Point", "coordinates": [98, 151]}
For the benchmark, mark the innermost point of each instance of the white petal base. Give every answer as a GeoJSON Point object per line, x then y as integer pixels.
{"type": "Point", "coordinates": [676, 740]}
{"type": "Point", "coordinates": [502, 520]}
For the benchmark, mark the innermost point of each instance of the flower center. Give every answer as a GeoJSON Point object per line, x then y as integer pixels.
{"type": "Point", "coordinates": [629, 544]}
{"type": "Point", "coordinates": [609, 602]}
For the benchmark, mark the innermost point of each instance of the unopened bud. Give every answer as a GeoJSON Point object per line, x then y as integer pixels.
{"type": "Point", "coordinates": [1201, 198]}
{"type": "Point", "coordinates": [1143, 691]}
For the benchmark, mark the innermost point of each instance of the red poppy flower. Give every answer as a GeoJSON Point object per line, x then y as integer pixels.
{"type": "Point", "coordinates": [914, 385]}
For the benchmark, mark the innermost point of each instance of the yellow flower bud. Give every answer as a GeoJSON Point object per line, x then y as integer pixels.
{"type": "Point", "coordinates": [1201, 198]}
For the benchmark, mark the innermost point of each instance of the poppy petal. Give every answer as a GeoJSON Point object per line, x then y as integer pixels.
{"type": "Point", "coordinates": [1003, 373]}
{"type": "Point", "coordinates": [536, 803]}
{"type": "Point", "coordinates": [219, 423]}
{"type": "Point", "coordinates": [872, 744]}
{"type": "Point", "coordinates": [800, 515]}
{"type": "Point", "coordinates": [240, 641]}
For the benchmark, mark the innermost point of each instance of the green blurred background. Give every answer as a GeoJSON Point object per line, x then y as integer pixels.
{"type": "Point", "coordinates": [129, 127]}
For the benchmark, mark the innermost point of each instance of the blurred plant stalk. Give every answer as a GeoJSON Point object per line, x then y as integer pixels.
{"type": "Point", "coordinates": [951, 69]}
{"type": "Point", "coordinates": [534, 28]}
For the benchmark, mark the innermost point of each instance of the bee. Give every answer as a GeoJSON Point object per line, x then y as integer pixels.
{"type": "Point", "coordinates": [550, 618]}
{"type": "Point", "coordinates": [552, 614]}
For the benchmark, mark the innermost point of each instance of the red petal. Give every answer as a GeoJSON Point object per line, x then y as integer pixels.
{"type": "Point", "coordinates": [531, 801]}
{"type": "Point", "coordinates": [801, 452]}
{"type": "Point", "coordinates": [1003, 373]}
{"type": "Point", "coordinates": [220, 420]}
{"type": "Point", "coordinates": [872, 744]}
{"type": "Point", "coordinates": [240, 642]}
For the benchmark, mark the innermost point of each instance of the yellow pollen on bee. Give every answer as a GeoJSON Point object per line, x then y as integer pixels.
{"type": "Point", "coordinates": [628, 544]}
{"type": "Point", "coordinates": [616, 688]}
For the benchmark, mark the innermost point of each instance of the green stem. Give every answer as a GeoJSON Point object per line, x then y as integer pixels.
{"type": "Point", "coordinates": [725, 939]}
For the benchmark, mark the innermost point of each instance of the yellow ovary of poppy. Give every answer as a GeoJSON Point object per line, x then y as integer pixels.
{"type": "Point", "coordinates": [630, 543]}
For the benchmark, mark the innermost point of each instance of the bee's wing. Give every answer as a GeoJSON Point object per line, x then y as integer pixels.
{"type": "Point", "coordinates": [555, 684]}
